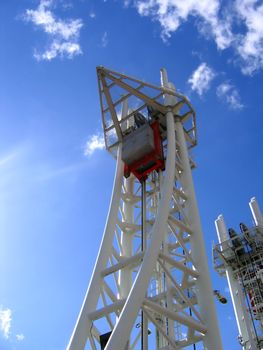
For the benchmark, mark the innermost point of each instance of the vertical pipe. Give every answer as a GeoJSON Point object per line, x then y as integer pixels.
{"type": "Point", "coordinates": [237, 295]}
{"type": "Point", "coordinates": [221, 229]}
{"type": "Point", "coordinates": [256, 212]}
{"type": "Point", "coordinates": [164, 77]}
{"type": "Point", "coordinates": [212, 339]}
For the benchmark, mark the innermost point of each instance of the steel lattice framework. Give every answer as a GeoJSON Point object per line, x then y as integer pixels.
{"type": "Point", "coordinates": [240, 259]}
{"type": "Point", "coordinates": [151, 274]}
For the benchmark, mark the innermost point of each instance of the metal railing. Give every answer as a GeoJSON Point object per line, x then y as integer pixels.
{"type": "Point", "coordinates": [238, 251]}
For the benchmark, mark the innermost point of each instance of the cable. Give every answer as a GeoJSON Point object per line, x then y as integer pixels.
{"type": "Point", "coordinates": [143, 246]}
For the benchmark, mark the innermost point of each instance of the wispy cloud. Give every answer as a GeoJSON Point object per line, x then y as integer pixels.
{"type": "Point", "coordinates": [5, 322]}
{"type": "Point", "coordinates": [201, 78]}
{"type": "Point", "coordinates": [104, 39]}
{"type": "Point", "coordinates": [20, 337]}
{"type": "Point", "coordinates": [47, 172]}
{"type": "Point", "coordinates": [126, 2]}
{"type": "Point", "coordinates": [92, 14]}
{"type": "Point", "coordinates": [64, 34]}
{"type": "Point", "coordinates": [172, 13]}
{"type": "Point", "coordinates": [6, 159]}
{"type": "Point", "coordinates": [229, 94]}
{"type": "Point", "coordinates": [94, 142]}
{"type": "Point", "coordinates": [5, 325]}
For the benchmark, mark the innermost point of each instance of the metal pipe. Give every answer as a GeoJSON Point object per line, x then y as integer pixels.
{"type": "Point", "coordinates": [164, 77]}
{"type": "Point", "coordinates": [221, 229]}
{"type": "Point", "coordinates": [256, 212]}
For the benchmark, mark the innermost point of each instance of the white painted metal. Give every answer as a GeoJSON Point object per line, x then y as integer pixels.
{"type": "Point", "coordinates": [237, 296]}
{"type": "Point", "coordinates": [166, 279]}
{"type": "Point", "coordinates": [240, 258]}
{"type": "Point", "coordinates": [137, 295]}
{"type": "Point", "coordinates": [169, 101]}
{"type": "Point", "coordinates": [125, 275]}
{"type": "Point", "coordinates": [221, 229]}
{"type": "Point", "coordinates": [256, 212]}
{"type": "Point", "coordinates": [203, 285]}
{"type": "Point", "coordinates": [83, 326]}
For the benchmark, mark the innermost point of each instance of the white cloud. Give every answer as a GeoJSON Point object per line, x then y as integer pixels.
{"type": "Point", "coordinates": [64, 34]}
{"type": "Point", "coordinates": [250, 45]}
{"type": "Point", "coordinates": [92, 14]}
{"type": "Point", "coordinates": [234, 24]}
{"type": "Point", "coordinates": [201, 78]}
{"type": "Point", "coordinates": [127, 3]}
{"type": "Point", "coordinates": [57, 48]}
{"type": "Point", "coordinates": [5, 321]}
{"type": "Point", "coordinates": [229, 94]}
{"type": "Point", "coordinates": [172, 13]}
{"type": "Point", "coordinates": [20, 337]}
{"type": "Point", "coordinates": [66, 5]}
{"type": "Point", "coordinates": [104, 39]}
{"type": "Point", "coordinates": [94, 142]}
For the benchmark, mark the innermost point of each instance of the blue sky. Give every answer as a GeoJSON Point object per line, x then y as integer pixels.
{"type": "Point", "coordinates": [55, 177]}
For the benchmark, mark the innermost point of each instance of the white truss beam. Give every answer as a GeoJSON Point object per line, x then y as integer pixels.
{"type": "Point", "coordinates": [151, 271]}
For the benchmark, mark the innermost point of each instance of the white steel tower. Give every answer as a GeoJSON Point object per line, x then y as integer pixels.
{"type": "Point", "coordinates": [239, 257]}
{"type": "Point", "coordinates": [150, 288]}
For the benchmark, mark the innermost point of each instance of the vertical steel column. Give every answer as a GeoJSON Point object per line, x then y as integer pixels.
{"type": "Point", "coordinates": [212, 340]}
